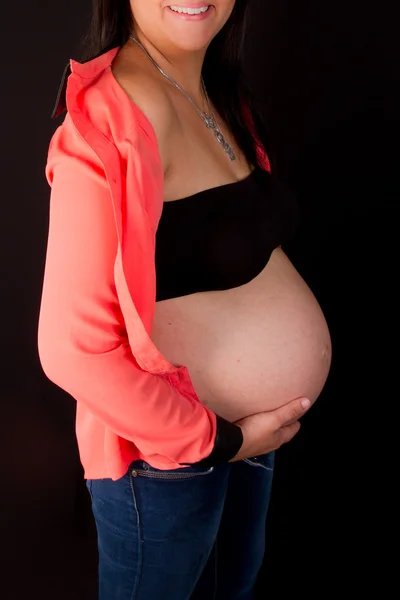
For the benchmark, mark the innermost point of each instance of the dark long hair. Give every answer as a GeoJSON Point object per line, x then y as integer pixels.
{"type": "Point", "coordinates": [111, 24]}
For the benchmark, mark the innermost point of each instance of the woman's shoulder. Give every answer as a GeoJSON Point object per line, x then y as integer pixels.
{"type": "Point", "coordinates": [150, 98]}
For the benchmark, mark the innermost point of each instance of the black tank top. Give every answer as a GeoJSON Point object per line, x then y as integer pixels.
{"type": "Point", "coordinates": [222, 237]}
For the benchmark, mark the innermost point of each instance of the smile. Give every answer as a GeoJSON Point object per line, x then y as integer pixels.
{"type": "Point", "coordinates": [190, 13]}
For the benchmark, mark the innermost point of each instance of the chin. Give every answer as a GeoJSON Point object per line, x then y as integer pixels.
{"type": "Point", "coordinates": [191, 44]}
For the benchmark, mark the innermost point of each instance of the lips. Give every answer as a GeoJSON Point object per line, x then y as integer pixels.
{"type": "Point", "coordinates": [191, 16]}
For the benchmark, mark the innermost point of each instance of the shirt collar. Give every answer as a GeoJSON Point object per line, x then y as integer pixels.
{"type": "Point", "coordinates": [86, 70]}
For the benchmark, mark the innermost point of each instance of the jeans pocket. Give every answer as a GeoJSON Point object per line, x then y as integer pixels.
{"type": "Point", "coordinates": [263, 461]}
{"type": "Point", "coordinates": [141, 468]}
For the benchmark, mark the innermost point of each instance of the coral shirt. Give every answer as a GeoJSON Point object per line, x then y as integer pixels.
{"type": "Point", "coordinates": [98, 298]}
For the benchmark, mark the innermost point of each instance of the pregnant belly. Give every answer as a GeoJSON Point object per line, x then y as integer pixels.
{"type": "Point", "coordinates": [252, 348]}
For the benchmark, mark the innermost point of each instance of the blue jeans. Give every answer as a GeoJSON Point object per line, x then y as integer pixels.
{"type": "Point", "coordinates": [186, 534]}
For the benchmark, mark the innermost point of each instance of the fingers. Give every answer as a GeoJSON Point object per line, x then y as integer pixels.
{"type": "Point", "coordinates": [287, 433]}
{"type": "Point", "coordinates": [289, 413]}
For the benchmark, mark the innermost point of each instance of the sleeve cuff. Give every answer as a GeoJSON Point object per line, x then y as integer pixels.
{"type": "Point", "coordinates": [228, 441]}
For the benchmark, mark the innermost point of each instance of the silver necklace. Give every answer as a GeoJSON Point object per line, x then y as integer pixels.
{"type": "Point", "coordinates": [207, 118]}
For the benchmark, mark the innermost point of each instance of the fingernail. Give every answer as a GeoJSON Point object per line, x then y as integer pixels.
{"type": "Point", "coordinates": [305, 403]}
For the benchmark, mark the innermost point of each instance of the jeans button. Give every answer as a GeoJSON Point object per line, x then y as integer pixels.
{"type": "Point", "coordinates": [134, 473]}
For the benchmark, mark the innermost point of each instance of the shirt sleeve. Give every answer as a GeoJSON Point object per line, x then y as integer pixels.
{"type": "Point", "coordinates": [82, 339]}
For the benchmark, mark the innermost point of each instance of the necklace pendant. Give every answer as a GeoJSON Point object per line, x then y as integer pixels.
{"type": "Point", "coordinates": [229, 151]}
{"type": "Point", "coordinates": [227, 147]}
{"type": "Point", "coordinates": [209, 121]}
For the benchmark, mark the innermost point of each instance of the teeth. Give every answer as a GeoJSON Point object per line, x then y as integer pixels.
{"type": "Point", "coordinates": [189, 11]}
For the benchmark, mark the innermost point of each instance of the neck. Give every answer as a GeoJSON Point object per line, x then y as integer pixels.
{"type": "Point", "coordinates": [184, 67]}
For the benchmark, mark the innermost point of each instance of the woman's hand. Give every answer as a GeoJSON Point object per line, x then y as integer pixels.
{"type": "Point", "coordinates": [267, 431]}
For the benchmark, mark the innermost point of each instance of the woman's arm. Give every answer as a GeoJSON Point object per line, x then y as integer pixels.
{"type": "Point", "coordinates": [83, 345]}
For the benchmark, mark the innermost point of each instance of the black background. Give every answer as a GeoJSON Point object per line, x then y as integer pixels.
{"type": "Point", "coordinates": [326, 74]}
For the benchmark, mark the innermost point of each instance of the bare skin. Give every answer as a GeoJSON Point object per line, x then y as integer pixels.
{"type": "Point", "coordinates": [253, 352]}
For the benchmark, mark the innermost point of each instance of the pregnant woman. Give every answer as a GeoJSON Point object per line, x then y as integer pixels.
{"type": "Point", "coordinates": [170, 311]}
